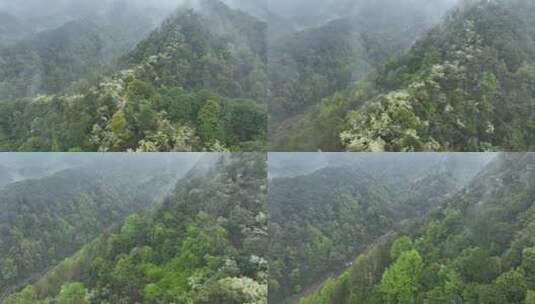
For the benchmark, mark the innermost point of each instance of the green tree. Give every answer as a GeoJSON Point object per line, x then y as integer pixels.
{"type": "Point", "coordinates": [400, 246]}
{"type": "Point", "coordinates": [138, 89]}
{"type": "Point", "coordinates": [209, 121]}
{"type": "Point", "coordinates": [118, 125]}
{"type": "Point", "coordinates": [26, 296]}
{"type": "Point", "coordinates": [448, 288]}
{"type": "Point", "coordinates": [530, 297]}
{"type": "Point", "coordinates": [511, 287]}
{"type": "Point", "coordinates": [73, 293]}
{"type": "Point", "coordinates": [475, 265]}
{"type": "Point", "coordinates": [295, 279]}
{"type": "Point", "coordinates": [400, 281]}
{"type": "Point", "coordinates": [8, 269]}
{"type": "Point", "coordinates": [528, 265]}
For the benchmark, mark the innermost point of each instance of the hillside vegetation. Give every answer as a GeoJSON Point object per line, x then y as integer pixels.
{"type": "Point", "coordinates": [464, 86]}
{"type": "Point", "coordinates": [205, 244]}
{"type": "Point", "coordinates": [477, 248]}
{"type": "Point", "coordinates": [309, 65]}
{"type": "Point", "coordinates": [46, 220]}
{"type": "Point", "coordinates": [196, 83]}
{"type": "Point", "coordinates": [320, 221]}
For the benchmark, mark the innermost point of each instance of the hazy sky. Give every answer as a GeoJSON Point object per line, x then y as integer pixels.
{"type": "Point", "coordinates": [282, 164]}
{"type": "Point", "coordinates": [37, 10]}
{"type": "Point", "coordinates": [332, 8]}
{"type": "Point", "coordinates": [31, 165]}
{"type": "Point", "coordinates": [43, 7]}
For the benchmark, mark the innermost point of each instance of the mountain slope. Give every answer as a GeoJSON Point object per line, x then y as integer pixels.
{"type": "Point", "coordinates": [314, 63]}
{"type": "Point", "coordinates": [186, 87]}
{"type": "Point", "coordinates": [323, 239]}
{"type": "Point", "coordinates": [205, 244]}
{"type": "Point", "coordinates": [51, 60]}
{"type": "Point", "coordinates": [320, 221]}
{"type": "Point", "coordinates": [45, 220]}
{"type": "Point", "coordinates": [465, 86]}
{"type": "Point", "coordinates": [478, 248]}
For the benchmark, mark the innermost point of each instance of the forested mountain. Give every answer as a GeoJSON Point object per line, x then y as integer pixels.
{"type": "Point", "coordinates": [464, 86]}
{"type": "Point", "coordinates": [313, 63]}
{"type": "Point", "coordinates": [322, 220]}
{"type": "Point", "coordinates": [205, 244]}
{"type": "Point", "coordinates": [477, 248]}
{"type": "Point", "coordinates": [198, 82]}
{"type": "Point", "coordinates": [83, 42]}
{"type": "Point", "coordinates": [44, 220]}
{"type": "Point", "coordinates": [52, 60]}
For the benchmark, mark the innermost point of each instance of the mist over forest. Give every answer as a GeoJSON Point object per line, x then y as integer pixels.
{"type": "Point", "coordinates": [338, 77]}
{"type": "Point", "coordinates": [41, 15]}
{"type": "Point", "coordinates": [34, 16]}
{"type": "Point", "coordinates": [19, 167]}
{"type": "Point", "coordinates": [75, 234]}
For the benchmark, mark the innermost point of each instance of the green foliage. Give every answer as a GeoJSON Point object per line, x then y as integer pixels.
{"type": "Point", "coordinates": [190, 250]}
{"type": "Point", "coordinates": [162, 98]}
{"type": "Point", "coordinates": [461, 87]}
{"type": "Point", "coordinates": [26, 296]}
{"type": "Point", "coordinates": [73, 293]}
{"type": "Point", "coordinates": [315, 63]}
{"type": "Point", "coordinates": [475, 265]}
{"type": "Point", "coordinates": [209, 121]}
{"type": "Point", "coordinates": [447, 289]}
{"type": "Point", "coordinates": [326, 234]}
{"type": "Point", "coordinates": [401, 280]}
{"type": "Point", "coordinates": [401, 245]}
{"type": "Point", "coordinates": [47, 220]}
{"type": "Point", "coordinates": [528, 266]}
{"type": "Point", "coordinates": [320, 221]}
{"type": "Point", "coordinates": [206, 243]}
{"type": "Point", "coordinates": [323, 296]}
{"type": "Point", "coordinates": [478, 248]}
{"type": "Point", "coordinates": [510, 287]}
{"type": "Point", "coordinates": [458, 98]}
{"type": "Point", "coordinates": [530, 297]}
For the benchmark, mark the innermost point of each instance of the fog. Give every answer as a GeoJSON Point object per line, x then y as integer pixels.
{"type": "Point", "coordinates": [42, 15]}
{"type": "Point", "coordinates": [15, 167]}
{"type": "Point", "coordinates": [405, 164]}
{"type": "Point", "coordinates": [45, 14]}
{"type": "Point", "coordinates": [35, 8]}
{"type": "Point", "coordinates": [314, 12]}
{"type": "Point", "coordinates": [38, 11]}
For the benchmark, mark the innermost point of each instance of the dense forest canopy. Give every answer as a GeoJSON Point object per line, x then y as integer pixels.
{"type": "Point", "coordinates": [204, 243]}
{"type": "Point", "coordinates": [195, 83]}
{"type": "Point", "coordinates": [476, 248]}
{"type": "Point", "coordinates": [354, 39]}
{"type": "Point", "coordinates": [463, 86]}
{"type": "Point", "coordinates": [45, 218]}
{"type": "Point", "coordinates": [320, 221]}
